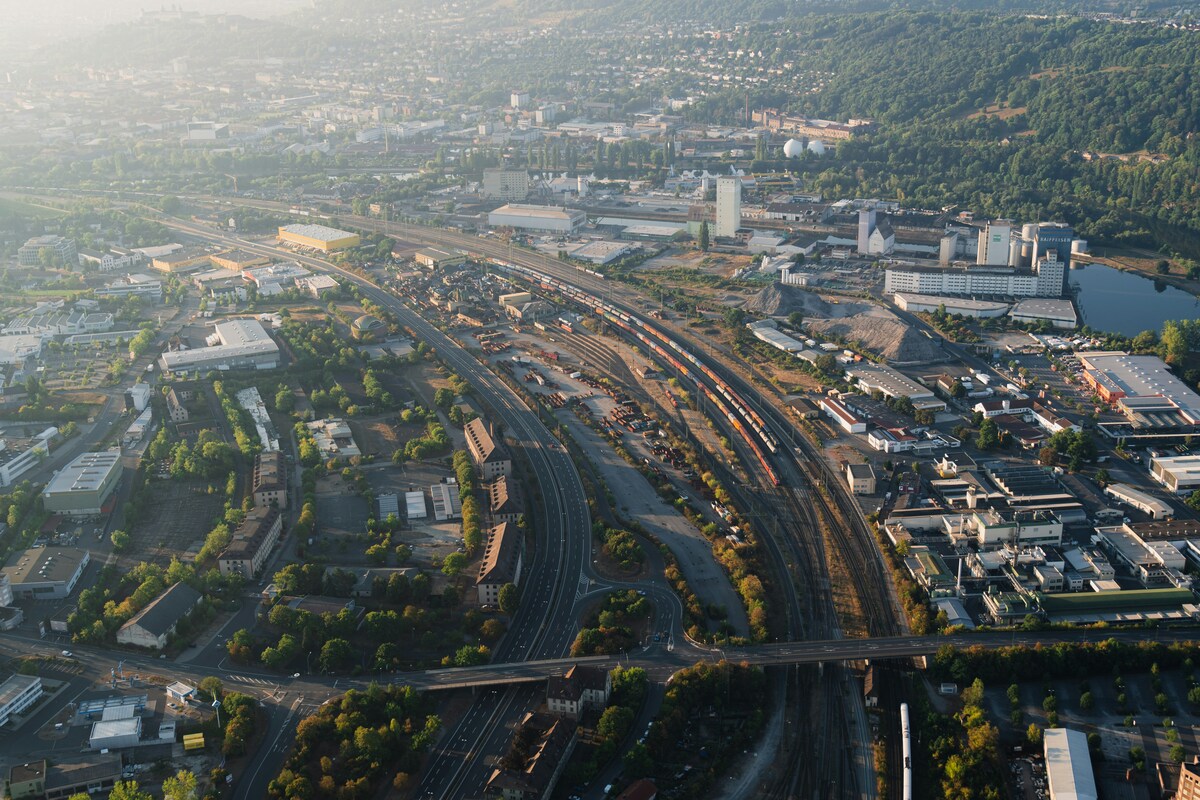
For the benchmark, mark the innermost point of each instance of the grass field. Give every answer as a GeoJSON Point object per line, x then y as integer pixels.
{"type": "Point", "coordinates": [10, 207]}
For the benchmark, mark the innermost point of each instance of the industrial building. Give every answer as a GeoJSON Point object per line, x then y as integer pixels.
{"type": "Point", "coordinates": [414, 505]}
{"type": "Point", "coordinates": [1153, 562]}
{"type": "Point", "coordinates": [116, 733]}
{"type": "Point", "coordinates": [537, 218]}
{"type": "Point", "coordinates": [502, 562]}
{"type": "Point", "coordinates": [1118, 376]}
{"type": "Point", "coordinates": [928, 304]}
{"type": "Point", "coordinates": [881, 378]}
{"type": "Point", "coordinates": [316, 285]}
{"type": "Point", "coordinates": [1146, 503]}
{"type": "Point", "coordinates": [241, 344]}
{"type": "Point", "coordinates": [433, 258]}
{"type": "Point", "coordinates": [181, 261]}
{"type": "Point", "coordinates": [1059, 312]}
{"type": "Point", "coordinates": [18, 693]}
{"type": "Point", "coordinates": [1045, 279]}
{"type": "Point", "coordinates": [45, 573]}
{"type": "Point", "coordinates": [94, 775]}
{"type": "Point", "coordinates": [446, 502]}
{"type": "Point", "coordinates": [251, 543]}
{"type": "Point", "coordinates": [995, 528]}
{"type": "Point", "coordinates": [238, 260]}
{"type": "Point", "coordinates": [274, 278]}
{"type": "Point", "coordinates": [318, 237]}
{"type": "Point", "coordinates": [1068, 765]}
{"type": "Point", "coordinates": [860, 478]}
{"type": "Point", "coordinates": [842, 416]}
{"type": "Point", "coordinates": [729, 206]}
{"type": "Point", "coordinates": [153, 625]}
{"type": "Point", "coordinates": [83, 486]}
{"type": "Point", "coordinates": [1180, 474]}
{"type": "Point", "coordinates": [490, 456]}
{"type": "Point", "coordinates": [16, 349]}
{"type": "Point", "coordinates": [334, 438]}
{"type": "Point", "coordinates": [602, 252]}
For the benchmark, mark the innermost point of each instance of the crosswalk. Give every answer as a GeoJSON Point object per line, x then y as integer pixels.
{"type": "Point", "coordinates": [254, 681]}
{"type": "Point", "coordinates": [60, 666]}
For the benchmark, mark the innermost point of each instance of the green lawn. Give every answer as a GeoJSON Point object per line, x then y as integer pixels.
{"type": "Point", "coordinates": [11, 208]}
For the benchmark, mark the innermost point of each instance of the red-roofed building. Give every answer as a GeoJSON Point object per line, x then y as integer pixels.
{"type": "Point", "coordinates": [643, 789]}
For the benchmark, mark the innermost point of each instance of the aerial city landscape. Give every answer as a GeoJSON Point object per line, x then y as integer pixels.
{"type": "Point", "coordinates": [544, 399]}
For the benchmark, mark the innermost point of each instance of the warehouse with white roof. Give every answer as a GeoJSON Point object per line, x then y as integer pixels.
{"type": "Point", "coordinates": [318, 237]}
{"type": "Point", "coordinates": [241, 344]}
{"type": "Point", "coordinates": [537, 218]}
{"type": "Point", "coordinates": [1068, 765]}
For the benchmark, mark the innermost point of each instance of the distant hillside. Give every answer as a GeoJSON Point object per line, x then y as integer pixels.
{"type": "Point", "coordinates": [726, 12]}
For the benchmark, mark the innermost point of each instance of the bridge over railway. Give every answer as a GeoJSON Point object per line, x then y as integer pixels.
{"type": "Point", "coordinates": [661, 663]}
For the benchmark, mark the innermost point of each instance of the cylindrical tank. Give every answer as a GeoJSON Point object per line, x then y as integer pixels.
{"type": "Point", "coordinates": [1079, 246]}
{"type": "Point", "coordinates": [1014, 252]}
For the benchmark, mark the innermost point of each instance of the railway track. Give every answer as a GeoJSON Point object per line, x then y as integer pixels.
{"type": "Point", "coordinates": [854, 543]}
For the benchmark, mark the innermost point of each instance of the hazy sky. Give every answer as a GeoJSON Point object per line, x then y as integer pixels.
{"type": "Point", "coordinates": [28, 24]}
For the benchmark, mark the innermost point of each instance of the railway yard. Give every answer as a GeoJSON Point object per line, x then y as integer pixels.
{"type": "Point", "coordinates": [739, 521]}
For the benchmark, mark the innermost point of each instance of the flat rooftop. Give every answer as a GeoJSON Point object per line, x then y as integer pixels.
{"type": "Point", "coordinates": [1186, 469]}
{"type": "Point", "coordinates": [1140, 376]}
{"type": "Point", "coordinates": [1046, 308]}
{"type": "Point", "coordinates": [887, 380]}
{"type": "Point", "coordinates": [239, 338]}
{"type": "Point", "coordinates": [952, 302]}
{"type": "Point", "coordinates": [44, 564]}
{"type": "Point", "coordinates": [322, 232]}
{"type": "Point", "coordinates": [85, 473]}
{"type": "Point", "coordinates": [15, 686]}
{"type": "Point", "coordinates": [539, 212]}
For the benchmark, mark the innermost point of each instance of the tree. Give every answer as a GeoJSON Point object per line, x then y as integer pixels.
{"type": "Point", "coordinates": [826, 364]}
{"type": "Point", "coordinates": [453, 564]}
{"type": "Point", "coordinates": [180, 786]}
{"type": "Point", "coordinates": [795, 320]}
{"type": "Point", "coordinates": [336, 654]}
{"type": "Point", "coordinates": [1102, 477]}
{"type": "Point", "coordinates": [989, 435]}
{"type": "Point", "coordinates": [211, 685]}
{"type": "Point", "coordinates": [614, 723]}
{"type": "Point", "coordinates": [1033, 735]}
{"type": "Point", "coordinates": [128, 790]}
{"type": "Point", "coordinates": [120, 540]}
{"type": "Point", "coordinates": [509, 598]}
{"type": "Point", "coordinates": [1086, 702]}
{"type": "Point", "coordinates": [702, 239]}
{"type": "Point", "coordinates": [1163, 267]}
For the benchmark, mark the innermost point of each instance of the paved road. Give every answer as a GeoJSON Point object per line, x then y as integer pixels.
{"type": "Point", "coordinates": [637, 500]}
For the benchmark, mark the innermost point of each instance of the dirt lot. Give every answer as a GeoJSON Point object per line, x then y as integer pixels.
{"type": "Point", "coordinates": [379, 437]}
{"type": "Point", "coordinates": [176, 520]}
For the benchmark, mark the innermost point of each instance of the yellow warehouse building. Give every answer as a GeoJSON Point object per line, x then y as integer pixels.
{"type": "Point", "coordinates": [318, 237]}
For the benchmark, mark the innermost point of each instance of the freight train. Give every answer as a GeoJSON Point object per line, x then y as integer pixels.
{"type": "Point", "coordinates": [744, 419]}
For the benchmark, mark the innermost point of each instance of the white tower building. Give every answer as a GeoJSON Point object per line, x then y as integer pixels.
{"type": "Point", "coordinates": [729, 205]}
